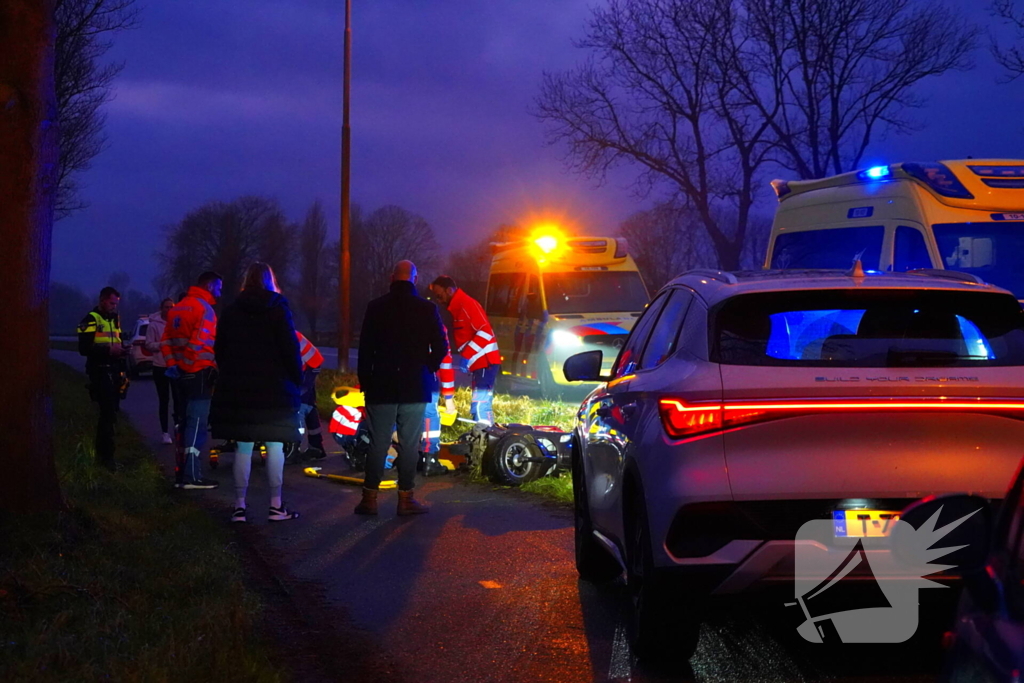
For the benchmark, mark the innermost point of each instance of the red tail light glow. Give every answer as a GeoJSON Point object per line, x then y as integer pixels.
{"type": "Point", "coordinates": [682, 419]}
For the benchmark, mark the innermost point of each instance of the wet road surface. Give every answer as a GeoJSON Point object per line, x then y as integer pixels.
{"type": "Point", "coordinates": [484, 588]}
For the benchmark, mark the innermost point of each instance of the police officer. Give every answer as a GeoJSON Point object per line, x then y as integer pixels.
{"type": "Point", "coordinates": [99, 340]}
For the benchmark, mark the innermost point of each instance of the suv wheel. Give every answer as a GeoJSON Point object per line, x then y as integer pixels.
{"type": "Point", "coordinates": [664, 629]}
{"type": "Point", "coordinates": [593, 562]}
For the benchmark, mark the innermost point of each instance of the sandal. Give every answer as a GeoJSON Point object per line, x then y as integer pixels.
{"type": "Point", "coordinates": [281, 514]}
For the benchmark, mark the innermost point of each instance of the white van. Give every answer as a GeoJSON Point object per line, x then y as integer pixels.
{"type": "Point", "coordinates": [965, 215]}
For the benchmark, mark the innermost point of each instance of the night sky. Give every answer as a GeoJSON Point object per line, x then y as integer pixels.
{"type": "Point", "coordinates": [232, 97]}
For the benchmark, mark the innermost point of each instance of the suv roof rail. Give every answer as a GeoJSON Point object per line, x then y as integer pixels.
{"type": "Point", "coordinates": [720, 275]}
{"type": "Point", "coordinates": [948, 274]}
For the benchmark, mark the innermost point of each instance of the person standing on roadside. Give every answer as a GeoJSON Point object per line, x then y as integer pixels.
{"type": "Point", "coordinates": [154, 333]}
{"type": "Point", "coordinates": [401, 347]}
{"type": "Point", "coordinates": [260, 384]}
{"type": "Point", "coordinates": [99, 340]}
{"type": "Point", "coordinates": [312, 362]}
{"type": "Point", "coordinates": [476, 349]}
{"type": "Point", "coordinates": [187, 347]}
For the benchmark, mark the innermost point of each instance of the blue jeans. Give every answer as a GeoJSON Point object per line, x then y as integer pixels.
{"type": "Point", "coordinates": [431, 427]}
{"type": "Point", "coordinates": [482, 405]}
{"type": "Point", "coordinates": [197, 389]}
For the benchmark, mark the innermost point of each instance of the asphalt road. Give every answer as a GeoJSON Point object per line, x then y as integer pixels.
{"type": "Point", "coordinates": [484, 589]}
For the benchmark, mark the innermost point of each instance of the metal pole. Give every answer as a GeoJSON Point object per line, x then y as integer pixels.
{"type": "Point", "coordinates": [345, 260]}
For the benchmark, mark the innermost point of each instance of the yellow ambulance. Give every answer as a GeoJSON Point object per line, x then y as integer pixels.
{"type": "Point", "coordinates": [965, 215]}
{"type": "Point", "coordinates": [549, 297]}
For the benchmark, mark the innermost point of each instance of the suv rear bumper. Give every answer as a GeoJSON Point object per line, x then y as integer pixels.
{"type": "Point", "coordinates": [750, 545]}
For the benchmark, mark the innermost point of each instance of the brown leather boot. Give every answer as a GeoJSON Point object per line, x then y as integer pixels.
{"type": "Point", "coordinates": [368, 505]}
{"type": "Point", "coordinates": [407, 505]}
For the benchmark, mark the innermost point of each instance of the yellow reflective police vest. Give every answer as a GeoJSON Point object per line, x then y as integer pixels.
{"type": "Point", "coordinates": [104, 331]}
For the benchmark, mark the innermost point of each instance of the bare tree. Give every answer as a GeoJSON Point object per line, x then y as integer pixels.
{"type": "Point", "coordinates": [312, 278]}
{"type": "Point", "coordinates": [657, 93]}
{"type": "Point", "coordinates": [702, 94]}
{"type": "Point", "coordinates": [227, 238]}
{"type": "Point", "coordinates": [1010, 58]}
{"type": "Point", "coordinates": [666, 241]}
{"type": "Point", "coordinates": [829, 75]}
{"type": "Point", "coordinates": [83, 85]}
{"type": "Point", "coordinates": [382, 239]}
{"type": "Point", "coordinates": [28, 157]}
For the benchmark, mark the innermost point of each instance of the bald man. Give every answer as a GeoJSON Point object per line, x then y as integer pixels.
{"type": "Point", "coordinates": [401, 347]}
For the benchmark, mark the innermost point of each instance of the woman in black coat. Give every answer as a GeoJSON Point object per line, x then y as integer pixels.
{"type": "Point", "coordinates": [258, 385]}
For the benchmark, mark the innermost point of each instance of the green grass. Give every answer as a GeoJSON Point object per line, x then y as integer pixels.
{"type": "Point", "coordinates": [130, 583]}
{"type": "Point", "coordinates": [507, 408]}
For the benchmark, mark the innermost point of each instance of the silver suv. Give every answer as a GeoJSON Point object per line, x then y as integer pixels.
{"type": "Point", "coordinates": [745, 404]}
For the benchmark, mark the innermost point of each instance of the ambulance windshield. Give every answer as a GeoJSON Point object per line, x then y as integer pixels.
{"type": "Point", "coordinates": [595, 291]}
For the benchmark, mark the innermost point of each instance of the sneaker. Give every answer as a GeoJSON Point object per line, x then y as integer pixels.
{"type": "Point", "coordinates": [201, 484]}
{"type": "Point", "coordinates": [281, 514]}
{"type": "Point", "coordinates": [238, 515]}
{"type": "Point", "coordinates": [167, 438]}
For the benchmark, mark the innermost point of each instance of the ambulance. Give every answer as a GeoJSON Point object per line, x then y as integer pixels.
{"type": "Point", "coordinates": [965, 216]}
{"type": "Point", "coordinates": [551, 296]}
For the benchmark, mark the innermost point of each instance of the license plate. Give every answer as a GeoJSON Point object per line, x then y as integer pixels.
{"type": "Point", "coordinates": [863, 523]}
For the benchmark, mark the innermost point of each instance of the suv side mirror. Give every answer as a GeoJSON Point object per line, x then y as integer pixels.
{"type": "Point", "coordinates": [972, 517]}
{"type": "Point", "coordinates": [584, 367]}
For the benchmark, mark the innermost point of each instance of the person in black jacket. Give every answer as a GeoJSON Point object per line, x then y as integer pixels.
{"type": "Point", "coordinates": [258, 388]}
{"type": "Point", "coordinates": [401, 346]}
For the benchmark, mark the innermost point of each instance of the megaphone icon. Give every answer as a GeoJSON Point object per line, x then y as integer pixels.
{"type": "Point", "coordinates": [831, 596]}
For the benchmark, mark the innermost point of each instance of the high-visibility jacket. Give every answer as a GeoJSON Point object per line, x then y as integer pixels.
{"type": "Point", "coordinates": [189, 335]}
{"type": "Point", "coordinates": [345, 420]}
{"type": "Point", "coordinates": [96, 334]}
{"type": "Point", "coordinates": [446, 374]}
{"type": "Point", "coordinates": [473, 336]}
{"type": "Point", "coordinates": [311, 358]}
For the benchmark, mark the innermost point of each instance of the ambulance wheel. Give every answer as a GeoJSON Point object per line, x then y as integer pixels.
{"type": "Point", "coordinates": [508, 461]}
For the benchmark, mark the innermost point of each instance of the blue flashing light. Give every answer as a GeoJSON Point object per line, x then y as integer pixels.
{"type": "Point", "coordinates": [876, 173]}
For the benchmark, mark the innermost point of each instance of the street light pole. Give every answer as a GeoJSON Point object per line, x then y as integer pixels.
{"type": "Point", "coordinates": [345, 260]}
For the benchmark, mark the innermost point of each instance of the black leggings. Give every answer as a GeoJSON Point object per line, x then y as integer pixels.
{"type": "Point", "coordinates": [163, 391]}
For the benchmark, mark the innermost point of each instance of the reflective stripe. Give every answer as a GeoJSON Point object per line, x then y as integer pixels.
{"type": "Point", "coordinates": [483, 352]}
{"type": "Point", "coordinates": [433, 434]}
{"type": "Point", "coordinates": [447, 366]}
{"type": "Point", "coordinates": [314, 432]}
{"type": "Point", "coordinates": [484, 335]}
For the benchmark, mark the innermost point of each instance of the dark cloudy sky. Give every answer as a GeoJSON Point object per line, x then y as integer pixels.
{"type": "Point", "coordinates": [221, 98]}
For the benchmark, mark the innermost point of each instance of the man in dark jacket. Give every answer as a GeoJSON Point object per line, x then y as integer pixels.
{"type": "Point", "coordinates": [401, 346]}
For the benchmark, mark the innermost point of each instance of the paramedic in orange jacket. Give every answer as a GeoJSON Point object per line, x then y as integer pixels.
{"type": "Point", "coordinates": [187, 347]}
{"type": "Point", "coordinates": [474, 345]}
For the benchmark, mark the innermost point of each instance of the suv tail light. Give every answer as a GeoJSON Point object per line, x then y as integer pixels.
{"type": "Point", "coordinates": [682, 419]}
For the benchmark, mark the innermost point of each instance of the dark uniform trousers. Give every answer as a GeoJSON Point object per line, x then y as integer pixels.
{"type": "Point", "coordinates": [105, 390]}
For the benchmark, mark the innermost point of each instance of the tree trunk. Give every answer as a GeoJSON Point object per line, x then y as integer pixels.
{"type": "Point", "coordinates": [28, 162]}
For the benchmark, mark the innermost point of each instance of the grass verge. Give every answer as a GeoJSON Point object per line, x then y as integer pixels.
{"type": "Point", "coordinates": [129, 583]}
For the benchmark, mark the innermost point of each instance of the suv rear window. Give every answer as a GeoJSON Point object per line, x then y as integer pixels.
{"type": "Point", "coordinates": [877, 328]}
